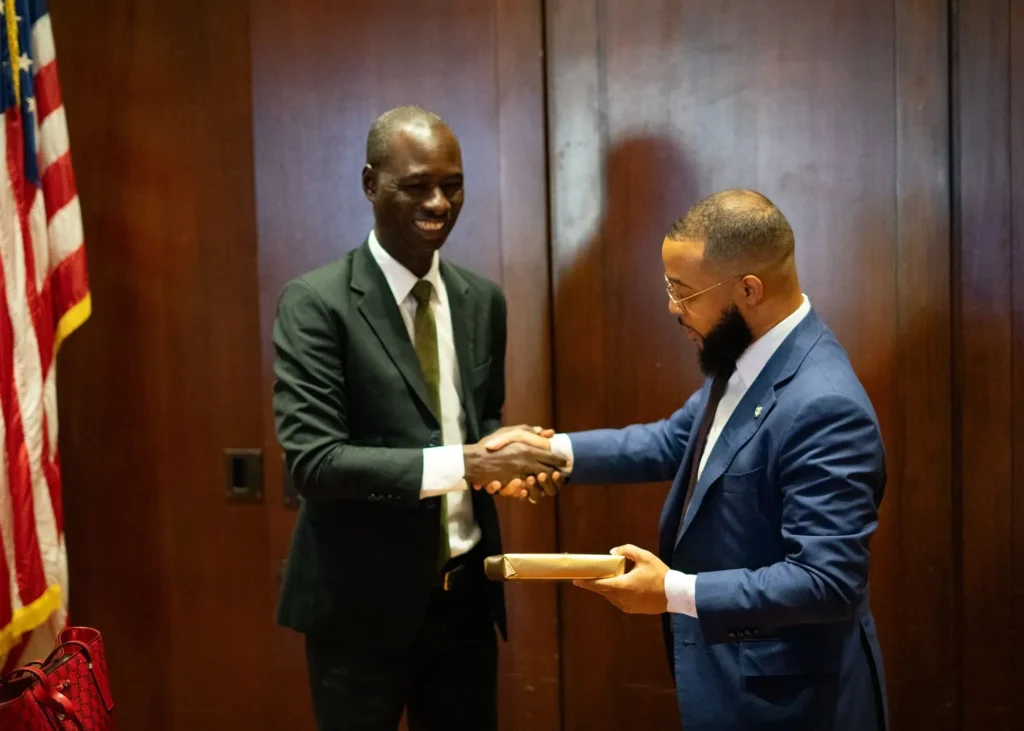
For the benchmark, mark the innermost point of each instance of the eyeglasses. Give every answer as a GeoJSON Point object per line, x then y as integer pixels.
{"type": "Point", "coordinates": [678, 301]}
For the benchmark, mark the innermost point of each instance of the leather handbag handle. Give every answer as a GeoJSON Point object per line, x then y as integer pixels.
{"type": "Point", "coordinates": [54, 701]}
{"type": "Point", "coordinates": [108, 700]}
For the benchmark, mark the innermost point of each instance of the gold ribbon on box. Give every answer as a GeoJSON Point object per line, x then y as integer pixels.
{"type": "Point", "coordinates": [553, 566]}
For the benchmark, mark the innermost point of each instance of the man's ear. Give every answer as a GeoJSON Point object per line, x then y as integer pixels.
{"type": "Point", "coordinates": [753, 289]}
{"type": "Point", "coordinates": [369, 182]}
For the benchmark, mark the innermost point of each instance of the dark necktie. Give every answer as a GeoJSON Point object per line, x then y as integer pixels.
{"type": "Point", "coordinates": [425, 331]}
{"type": "Point", "coordinates": [718, 386]}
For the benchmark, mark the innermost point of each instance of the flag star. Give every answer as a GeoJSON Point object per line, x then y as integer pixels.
{"type": "Point", "coordinates": [24, 63]}
{"type": "Point", "coordinates": [31, 102]}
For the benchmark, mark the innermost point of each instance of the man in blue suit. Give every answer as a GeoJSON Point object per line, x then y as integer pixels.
{"type": "Point", "coordinates": [778, 471]}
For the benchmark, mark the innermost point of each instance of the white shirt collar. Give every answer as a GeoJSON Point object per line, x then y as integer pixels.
{"type": "Point", "coordinates": [756, 357]}
{"type": "Point", "coordinates": [400, 279]}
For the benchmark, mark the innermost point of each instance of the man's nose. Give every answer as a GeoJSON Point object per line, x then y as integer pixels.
{"type": "Point", "coordinates": [437, 203]}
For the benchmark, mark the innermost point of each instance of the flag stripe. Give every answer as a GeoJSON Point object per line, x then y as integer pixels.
{"type": "Point", "coordinates": [9, 595]}
{"type": "Point", "coordinates": [43, 50]}
{"type": "Point", "coordinates": [53, 138]}
{"type": "Point", "coordinates": [59, 188]}
{"type": "Point", "coordinates": [48, 96]}
{"type": "Point", "coordinates": [66, 234]}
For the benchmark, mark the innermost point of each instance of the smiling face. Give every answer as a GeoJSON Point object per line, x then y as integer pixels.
{"type": "Point", "coordinates": [416, 191]}
{"type": "Point", "coordinates": [707, 305]}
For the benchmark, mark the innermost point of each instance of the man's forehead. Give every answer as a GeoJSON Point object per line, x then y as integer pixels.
{"type": "Point", "coordinates": [423, 147]}
{"type": "Point", "coordinates": [682, 259]}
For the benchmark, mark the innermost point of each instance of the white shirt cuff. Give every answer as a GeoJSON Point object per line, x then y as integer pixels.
{"type": "Point", "coordinates": [561, 446]}
{"type": "Point", "coordinates": [444, 471]}
{"type": "Point", "coordinates": [681, 592]}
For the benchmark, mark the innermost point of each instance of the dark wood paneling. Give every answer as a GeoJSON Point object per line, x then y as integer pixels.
{"type": "Point", "coordinates": [1016, 91]}
{"type": "Point", "coordinates": [322, 72]}
{"type": "Point", "coordinates": [166, 374]}
{"type": "Point", "coordinates": [830, 111]}
{"type": "Point", "coordinates": [920, 561]}
{"type": "Point", "coordinates": [984, 353]}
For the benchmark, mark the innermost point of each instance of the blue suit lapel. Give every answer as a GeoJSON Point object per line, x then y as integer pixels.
{"type": "Point", "coordinates": [671, 513]}
{"type": "Point", "coordinates": [746, 419]}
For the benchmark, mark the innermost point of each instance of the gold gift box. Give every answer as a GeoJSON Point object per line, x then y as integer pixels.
{"type": "Point", "coordinates": [553, 566]}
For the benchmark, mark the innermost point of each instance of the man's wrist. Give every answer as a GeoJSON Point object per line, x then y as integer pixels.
{"type": "Point", "coordinates": [471, 458]}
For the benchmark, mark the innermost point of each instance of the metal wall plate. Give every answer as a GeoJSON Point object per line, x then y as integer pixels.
{"type": "Point", "coordinates": [243, 475]}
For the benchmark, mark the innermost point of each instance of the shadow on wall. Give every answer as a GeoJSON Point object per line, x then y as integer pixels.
{"type": "Point", "coordinates": [610, 299]}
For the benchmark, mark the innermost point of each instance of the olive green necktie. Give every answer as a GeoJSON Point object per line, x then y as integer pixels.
{"type": "Point", "coordinates": [425, 330]}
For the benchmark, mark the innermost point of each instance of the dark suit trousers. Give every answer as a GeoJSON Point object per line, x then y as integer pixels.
{"type": "Point", "coordinates": [446, 678]}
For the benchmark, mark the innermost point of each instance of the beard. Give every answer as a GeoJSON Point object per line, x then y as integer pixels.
{"type": "Point", "coordinates": [724, 344]}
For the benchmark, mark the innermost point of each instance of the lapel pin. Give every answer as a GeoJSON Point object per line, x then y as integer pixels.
{"type": "Point", "coordinates": [757, 412]}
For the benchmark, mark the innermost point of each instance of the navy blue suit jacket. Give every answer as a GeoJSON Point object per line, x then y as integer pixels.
{"type": "Point", "coordinates": [778, 533]}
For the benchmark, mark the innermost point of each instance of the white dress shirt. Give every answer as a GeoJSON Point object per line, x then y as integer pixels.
{"type": "Point", "coordinates": [680, 588]}
{"type": "Point", "coordinates": [443, 467]}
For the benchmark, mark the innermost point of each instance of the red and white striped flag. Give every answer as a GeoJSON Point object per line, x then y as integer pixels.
{"type": "Point", "coordinates": [44, 296]}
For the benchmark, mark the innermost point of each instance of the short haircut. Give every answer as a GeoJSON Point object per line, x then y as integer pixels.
{"type": "Point", "coordinates": [385, 126]}
{"type": "Point", "coordinates": [741, 229]}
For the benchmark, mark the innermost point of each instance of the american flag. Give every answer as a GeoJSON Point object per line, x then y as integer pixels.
{"type": "Point", "coordinates": [44, 296]}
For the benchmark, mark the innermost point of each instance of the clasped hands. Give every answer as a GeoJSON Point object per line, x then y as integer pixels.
{"type": "Point", "coordinates": [517, 462]}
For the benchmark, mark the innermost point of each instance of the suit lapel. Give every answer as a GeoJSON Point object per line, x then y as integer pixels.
{"type": "Point", "coordinates": [461, 306]}
{"type": "Point", "coordinates": [742, 425]}
{"type": "Point", "coordinates": [672, 513]}
{"type": "Point", "coordinates": [752, 411]}
{"type": "Point", "coordinates": [378, 307]}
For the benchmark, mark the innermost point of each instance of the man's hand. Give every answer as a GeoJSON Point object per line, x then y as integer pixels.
{"type": "Point", "coordinates": [518, 462]}
{"type": "Point", "coordinates": [519, 487]}
{"type": "Point", "coordinates": [641, 591]}
{"type": "Point", "coordinates": [544, 483]}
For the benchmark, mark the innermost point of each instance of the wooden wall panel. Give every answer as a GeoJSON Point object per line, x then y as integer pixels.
{"type": "Point", "coordinates": [829, 111]}
{"type": "Point", "coordinates": [322, 72]}
{"type": "Point", "coordinates": [166, 373]}
{"type": "Point", "coordinates": [920, 562]}
{"type": "Point", "coordinates": [989, 378]}
{"type": "Point", "coordinates": [1016, 92]}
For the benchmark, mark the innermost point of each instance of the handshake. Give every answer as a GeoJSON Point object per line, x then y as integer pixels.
{"type": "Point", "coordinates": [517, 462]}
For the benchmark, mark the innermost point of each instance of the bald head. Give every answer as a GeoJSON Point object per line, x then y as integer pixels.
{"type": "Point", "coordinates": [401, 119]}
{"type": "Point", "coordinates": [742, 232]}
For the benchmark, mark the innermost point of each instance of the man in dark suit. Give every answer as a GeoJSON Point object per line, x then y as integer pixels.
{"type": "Point", "coordinates": [778, 471]}
{"type": "Point", "coordinates": [388, 362]}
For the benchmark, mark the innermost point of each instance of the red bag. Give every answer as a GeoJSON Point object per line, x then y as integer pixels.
{"type": "Point", "coordinates": [69, 691]}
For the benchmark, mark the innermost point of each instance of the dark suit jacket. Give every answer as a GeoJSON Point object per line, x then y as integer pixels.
{"type": "Point", "coordinates": [778, 533]}
{"type": "Point", "coordinates": [353, 418]}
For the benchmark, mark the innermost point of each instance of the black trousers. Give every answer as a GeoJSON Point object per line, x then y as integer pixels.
{"type": "Point", "coordinates": [446, 678]}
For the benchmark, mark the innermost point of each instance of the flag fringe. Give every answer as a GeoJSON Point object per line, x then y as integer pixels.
{"type": "Point", "coordinates": [71, 320]}
{"type": "Point", "coordinates": [29, 617]}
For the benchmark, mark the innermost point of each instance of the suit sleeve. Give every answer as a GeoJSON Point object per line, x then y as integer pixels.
{"type": "Point", "coordinates": [634, 454]}
{"type": "Point", "coordinates": [491, 421]}
{"type": "Point", "coordinates": [311, 413]}
{"type": "Point", "coordinates": [832, 470]}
